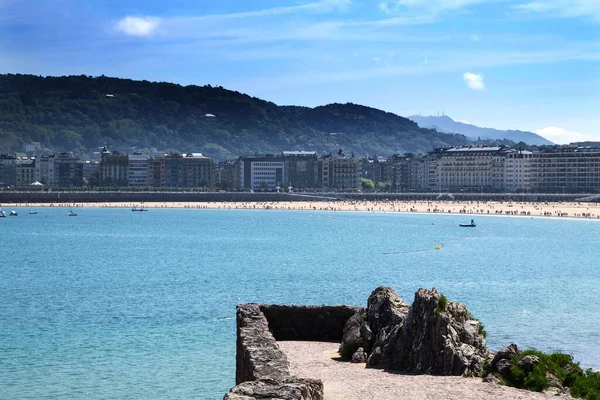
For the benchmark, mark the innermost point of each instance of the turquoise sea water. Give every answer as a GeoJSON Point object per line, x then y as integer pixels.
{"type": "Point", "coordinates": [114, 304]}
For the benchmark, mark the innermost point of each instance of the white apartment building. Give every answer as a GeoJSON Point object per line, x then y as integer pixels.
{"type": "Point", "coordinates": [266, 174]}
{"type": "Point", "coordinates": [44, 170]}
{"type": "Point", "coordinates": [471, 168]}
{"type": "Point", "coordinates": [517, 170]}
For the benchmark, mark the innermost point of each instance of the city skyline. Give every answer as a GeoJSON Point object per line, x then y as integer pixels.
{"type": "Point", "coordinates": [505, 64]}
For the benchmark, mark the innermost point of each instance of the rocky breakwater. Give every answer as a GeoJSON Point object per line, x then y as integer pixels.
{"type": "Point", "coordinates": [262, 370]}
{"type": "Point", "coordinates": [431, 336]}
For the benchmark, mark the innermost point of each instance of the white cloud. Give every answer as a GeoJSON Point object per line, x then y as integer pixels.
{"type": "Point", "coordinates": [436, 5]}
{"type": "Point", "coordinates": [474, 81]}
{"type": "Point", "coordinates": [475, 38]}
{"type": "Point", "coordinates": [563, 8]}
{"type": "Point", "coordinates": [384, 6]}
{"type": "Point", "coordinates": [138, 26]}
{"type": "Point", "coordinates": [562, 136]}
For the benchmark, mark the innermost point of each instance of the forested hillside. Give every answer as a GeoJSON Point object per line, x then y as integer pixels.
{"type": "Point", "coordinates": [81, 113]}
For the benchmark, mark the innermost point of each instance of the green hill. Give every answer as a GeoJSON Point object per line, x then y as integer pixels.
{"type": "Point", "coordinates": [81, 113]}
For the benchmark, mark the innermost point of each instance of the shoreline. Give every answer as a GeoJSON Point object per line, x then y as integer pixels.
{"type": "Point", "coordinates": [572, 210]}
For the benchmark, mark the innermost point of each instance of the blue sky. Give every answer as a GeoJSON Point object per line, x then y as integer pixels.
{"type": "Point", "coordinates": [507, 64]}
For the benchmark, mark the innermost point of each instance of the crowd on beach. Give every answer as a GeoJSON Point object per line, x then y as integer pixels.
{"type": "Point", "coordinates": [559, 209]}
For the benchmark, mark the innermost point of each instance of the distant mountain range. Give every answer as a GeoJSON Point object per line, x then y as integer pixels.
{"type": "Point", "coordinates": [448, 125]}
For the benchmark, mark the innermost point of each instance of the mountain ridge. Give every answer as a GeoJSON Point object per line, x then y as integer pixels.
{"type": "Point", "coordinates": [80, 113]}
{"type": "Point", "coordinates": [448, 125]}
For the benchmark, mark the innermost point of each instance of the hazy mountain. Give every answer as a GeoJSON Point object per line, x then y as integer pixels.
{"type": "Point", "coordinates": [448, 125]}
{"type": "Point", "coordinates": [81, 113]}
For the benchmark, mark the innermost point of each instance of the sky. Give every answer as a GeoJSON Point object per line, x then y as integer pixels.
{"type": "Point", "coordinates": [507, 64]}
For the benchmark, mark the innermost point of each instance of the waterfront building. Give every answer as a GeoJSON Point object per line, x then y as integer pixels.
{"type": "Point", "coordinates": [565, 169]}
{"type": "Point", "coordinates": [156, 170]}
{"type": "Point", "coordinates": [137, 170]}
{"type": "Point", "coordinates": [517, 171]}
{"type": "Point", "coordinates": [471, 168]}
{"type": "Point", "coordinates": [260, 171]}
{"type": "Point", "coordinates": [8, 164]}
{"type": "Point", "coordinates": [301, 169]}
{"type": "Point", "coordinates": [113, 168]}
{"type": "Point", "coordinates": [25, 171]}
{"type": "Point", "coordinates": [374, 168]}
{"type": "Point", "coordinates": [68, 170]}
{"type": "Point", "coordinates": [198, 170]}
{"type": "Point", "coordinates": [340, 172]}
{"type": "Point", "coordinates": [44, 170]}
{"type": "Point", "coordinates": [88, 168]}
{"type": "Point", "coordinates": [225, 175]}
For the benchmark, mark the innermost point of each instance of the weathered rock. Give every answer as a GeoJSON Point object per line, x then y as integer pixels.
{"type": "Point", "coordinates": [502, 366]}
{"type": "Point", "coordinates": [423, 338]}
{"type": "Point", "coordinates": [528, 362]}
{"type": "Point", "coordinates": [386, 313]}
{"type": "Point", "coordinates": [385, 308]}
{"type": "Point", "coordinates": [271, 389]}
{"type": "Point", "coordinates": [367, 337]}
{"type": "Point", "coordinates": [352, 339]}
{"type": "Point", "coordinates": [359, 356]}
{"type": "Point", "coordinates": [505, 353]}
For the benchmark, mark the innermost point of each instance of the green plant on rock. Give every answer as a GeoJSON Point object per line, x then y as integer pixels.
{"type": "Point", "coordinates": [442, 304]}
{"type": "Point", "coordinates": [584, 385]}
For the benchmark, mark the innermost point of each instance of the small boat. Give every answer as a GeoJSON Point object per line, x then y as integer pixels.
{"type": "Point", "coordinates": [139, 209]}
{"type": "Point", "coordinates": [32, 213]}
{"type": "Point", "coordinates": [471, 225]}
{"type": "Point", "coordinates": [2, 214]}
{"type": "Point", "coordinates": [72, 214]}
{"type": "Point", "coordinates": [13, 213]}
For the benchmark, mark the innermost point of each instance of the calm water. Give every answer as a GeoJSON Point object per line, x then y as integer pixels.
{"type": "Point", "coordinates": [114, 304]}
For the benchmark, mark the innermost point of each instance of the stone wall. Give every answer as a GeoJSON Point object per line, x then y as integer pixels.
{"type": "Point", "coordinates": [312, 323]}
{"type": "Point", "coordinates": [262, 370]}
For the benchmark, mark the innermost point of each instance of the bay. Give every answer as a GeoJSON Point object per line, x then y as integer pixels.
{"type": "Point", "coordinates": [115, 304]}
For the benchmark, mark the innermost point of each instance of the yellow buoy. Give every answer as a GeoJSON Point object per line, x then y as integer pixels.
{"type": "Point", "coordinates": [438, 248]}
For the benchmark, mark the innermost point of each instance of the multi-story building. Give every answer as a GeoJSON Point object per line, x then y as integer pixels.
{"type": "Point", "coordinates": [88, 168]}
{"type": "Point", "coordinates": [567, 169]}
{"type": "Point", "coordinates": [8, 171]}
{"type": "Point", "coordinates": [113, 169]}
{"type": "Point", "coordinates": [198, 170]}
{"type": "Point", "coordinates": [25, 171]}
{"type": "Point", "coordinates": [44, 170]}
{"type": "Point", "coordinates": [472, 167]}
{"type": "Point", "coordinates": [174, 170]}
{"type": "Point", "coordinates": [301, 169]}
{"type": "Point", "coordinates": [260, 172]}
{"type": "Point", "coordinates": [68, 170]}
{"type": "Point", "coordinates": [225, 175]}
{"type": "Point", "coordinates": [137, 170]}
{"type": "Point", "coordinates": [156, 171]}
{"type": "Point", "coordinates": [374, 169]}
{"type": "Point", "coordinates": [340, 172]}
{"type": "Point", "coordinates": [517, 171]}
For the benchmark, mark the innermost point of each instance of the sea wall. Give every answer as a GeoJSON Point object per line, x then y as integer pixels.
{"type": "Point", "coordinates": [262, 370]}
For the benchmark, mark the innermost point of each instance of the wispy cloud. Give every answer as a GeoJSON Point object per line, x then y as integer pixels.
{"type": "Point", "coordinates": [563, 8]}
{"type": "Point", "coordinates": [138, 26]}
{"type": "Point", "coordinates": [474, 81]}
{"type": "Point", "coordinates": [430, 5]}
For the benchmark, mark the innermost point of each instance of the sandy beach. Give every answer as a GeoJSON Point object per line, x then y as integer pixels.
{"type": "Point", "coordinates": [348, 381]}
{"type": "Point", "coordinates": [470, 208]}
